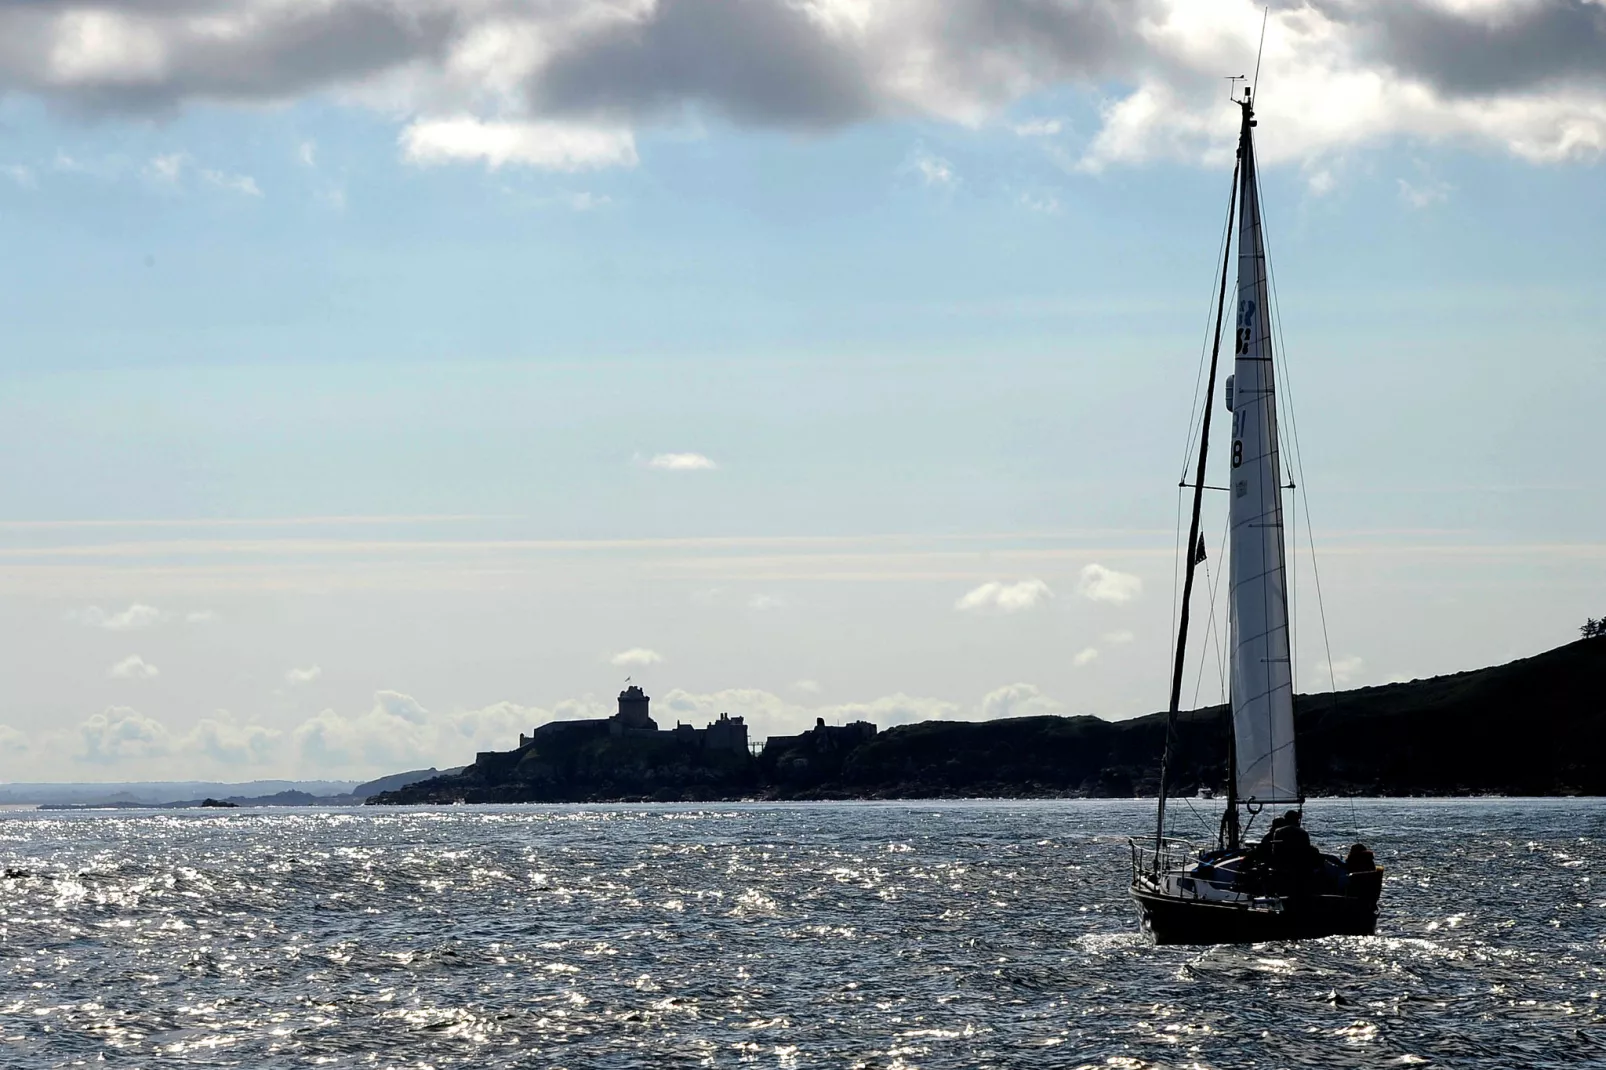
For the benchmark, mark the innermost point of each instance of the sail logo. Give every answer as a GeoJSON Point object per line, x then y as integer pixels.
{"type": "Point", "coordinates": [1246, 325]}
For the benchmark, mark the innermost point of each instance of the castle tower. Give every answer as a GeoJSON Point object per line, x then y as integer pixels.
{"type": "Point", "coordinates": [632, 715]}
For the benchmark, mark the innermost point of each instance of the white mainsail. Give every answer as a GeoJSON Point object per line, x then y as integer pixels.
{"type": "Point", "coordinates": [1262, 674]}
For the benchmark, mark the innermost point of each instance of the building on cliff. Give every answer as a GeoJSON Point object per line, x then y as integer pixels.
{"type": "Point", "coordinates": [635, 719]}
{"type": "Point", "coordinates": [823, 738]}
{"type": "Point", "coordinates": [727, 733]}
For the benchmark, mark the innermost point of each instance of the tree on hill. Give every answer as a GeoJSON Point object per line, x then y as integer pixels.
{"type": "Point", "coordinates": [1594, 629]}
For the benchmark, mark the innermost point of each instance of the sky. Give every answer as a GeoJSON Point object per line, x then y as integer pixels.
{"type": "Point", "coordinates": [381, 378]}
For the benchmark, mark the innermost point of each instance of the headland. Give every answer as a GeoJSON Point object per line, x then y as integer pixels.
{"type": "Point", "coordinates": [1535, 726]}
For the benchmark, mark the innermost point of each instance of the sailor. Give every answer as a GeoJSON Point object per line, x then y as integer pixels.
{"type": "Point", "coordinates": [1360, 859]}
{"type": "Point", "coordinates": [1290, 844]}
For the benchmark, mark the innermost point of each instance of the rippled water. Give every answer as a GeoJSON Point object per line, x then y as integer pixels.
{"type": "Point", "coordinates": [864, 935]}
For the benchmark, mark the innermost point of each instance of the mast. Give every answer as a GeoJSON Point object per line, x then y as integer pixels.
{"type": "Point", "coordinates": [1264, 770]}
{"type": "Point", "coordinates": [1192, 553]}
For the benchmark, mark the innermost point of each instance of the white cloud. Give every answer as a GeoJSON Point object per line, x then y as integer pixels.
{"type": "Point", "coordinates": [681, 462]}
{"type": "Point", "coordinates": [307, 153]}
{"type": "Point", "coordinates": [1344, 670]}
{"type": "Point", "coordinates": [544, 145]}
{"type": "Point", "coordinates": [135, 616]}
{"type": "Point", "coordinates": [1116, 638]}
{"type": "Point", "coordinates": [1017, 700]}
{"type": "Point", "coordinates": [20, 174]}
{"type": "Point", "coordinates": [244, 185]}
{"type": "Point", "coordinates": [303, 676]}
{"type": "Point", "coordinates": [1425, 193]}
{"type": "Point", "coordinates": [168, 168]}
{"type": "Point", "coordinates": [201, 616]}
{"type": "Point", "coordinates": [636, 656]}
{"type": "Point", "coordinates": [1043, 203]}
{"type": "Point", "coordinates": [765, 601]}
{"type": "Point", "coordinates": [1102, 584]}
{"type": "Point", "coordinates": [1086, 656]}
{"type": "Point", "coordinates": [394, 734]}
{"type": "Point", "coordinates": [134, 667]}
{"type": "Point", "coordinates": [1038, 127]}
{"type": "Point", "coordinates": [1005, 597]}
{"type": "Point", "coordinates": [12, 741]}
{"type": "Point", "coordinates": [398, 733]}
{"type": "Point", "coordinates": [587, 202]}
{"type": "Point", "coordinates": [227, 742]}
{"type": "Point", "coordinates": [932, 170]}
{"type": "Point", "coordinates": [122, 733]}
{"type": "Point", "coordinates": [808, 687]}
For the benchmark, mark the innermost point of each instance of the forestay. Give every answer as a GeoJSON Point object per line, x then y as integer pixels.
{"type": "Point", "coordinates": [1262, 675]}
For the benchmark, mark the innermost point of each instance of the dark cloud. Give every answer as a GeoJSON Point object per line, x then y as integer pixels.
{"type": "Point", "coordinates": [277, 52]}
{"type": "Point", "coordinates": [783, 63]}
{"type": "Point", "coordinates": [1475, 53]}
{"type": "Point", "coordinates": [755, 61]}
{"type": "Point", "coordinates": [762, 62]}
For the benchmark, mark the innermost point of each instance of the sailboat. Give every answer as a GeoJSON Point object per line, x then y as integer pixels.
{"type": "Point", "coordinates": [1243, 888]}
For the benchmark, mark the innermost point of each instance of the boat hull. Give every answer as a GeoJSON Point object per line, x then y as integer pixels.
{"type": "Point", "coordinates": [1177, 920]}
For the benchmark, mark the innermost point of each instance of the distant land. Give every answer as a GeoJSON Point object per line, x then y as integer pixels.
{"type": "Point", "coordinates": [186, 794]}
{"type": "Point", "coordinates": [1536, 726]}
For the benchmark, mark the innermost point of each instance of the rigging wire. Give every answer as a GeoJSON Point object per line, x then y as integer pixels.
{"type": "Point", "coordinates": [1194, 415]}
{"type": "Point", "coordinates": [1221, 650]}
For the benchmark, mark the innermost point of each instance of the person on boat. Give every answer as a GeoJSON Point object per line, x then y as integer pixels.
{"type": "Point", "coordinates": [1360, 859]}
{"type": "Point", "coordinates": [1290, 843]}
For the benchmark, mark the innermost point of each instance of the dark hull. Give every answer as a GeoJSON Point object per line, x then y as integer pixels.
{"type": "Point", "coordinates": [1173, 920]}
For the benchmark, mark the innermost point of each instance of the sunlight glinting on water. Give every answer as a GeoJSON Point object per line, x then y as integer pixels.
{"type": "Point", "coordinates": [863, 935]}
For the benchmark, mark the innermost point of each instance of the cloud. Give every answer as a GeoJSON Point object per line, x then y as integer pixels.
{"type": "Point", "coordinates": [1118, 637]}
{"type": "Point", "coordinates": [765, 601]}
{"type": "Point", "coordinates": [808, 687]}
{"type": "Point", "coordinates": [397, 732]}
{"type": "Point", "coordinates": [681, 462]}
{"type": "Point", "coordinates": [12, 741]}
{"type": "Point", "coordinates": [1005, 597]}
{"type": "Point", "coordinates": [636, 656]}
{"type": "Point", "coordinates": [1042, 203]}
{"type": "Point", "coordinates": [565, 84]}
{"type": "Point", "coordinates": [1425, 193]}
{"type": "Point", "coordinates": [1102, 584]}
{"type": "Point", "coordinates": [768, 714]}
{"type": "Point", "coordinates": [587, 202]}
{"type": "Point", "coordinates": [932, 170]}
{"type": "Point", "coordinates": [1085, 656]}
{"type": "Point", "coordinates": [1344, 670]}
{"type": "Point", "coordinates": [303, 676]}
{"type": "Point", "coordinates": [228, 742]}
{"type": "Point", "coordinates": [135, 616]}
{"type": "Point", "coordinates": [1038, 128]}
{"type": "Point", "coordinates": [122, 733]}
{"type": "Point", "coordinates": [241, 184]}
{"type": "Point", "coordinates": [20, 174]}
{"type": "Point", "coordinates": [1017, 700]}
{"type": "Point", "coordinates": [167, 169]}
{"type": "Point", "coordinates": [307, 153]}
{"type": "Point", "coordinates": [201, 616]}
{"type": "Point", "coordinates": [134, 667]}
{"type": "Point", "coordinates": [547, 146]}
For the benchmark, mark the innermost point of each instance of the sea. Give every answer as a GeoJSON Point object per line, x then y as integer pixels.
{"type": "Point", "coordinates": [888, 935]}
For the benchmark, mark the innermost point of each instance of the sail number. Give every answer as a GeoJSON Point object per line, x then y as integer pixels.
{"type": "Point", "coordinates": [1246, 325]}
{"type": "Point", "coordinates": [1237, 452]}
